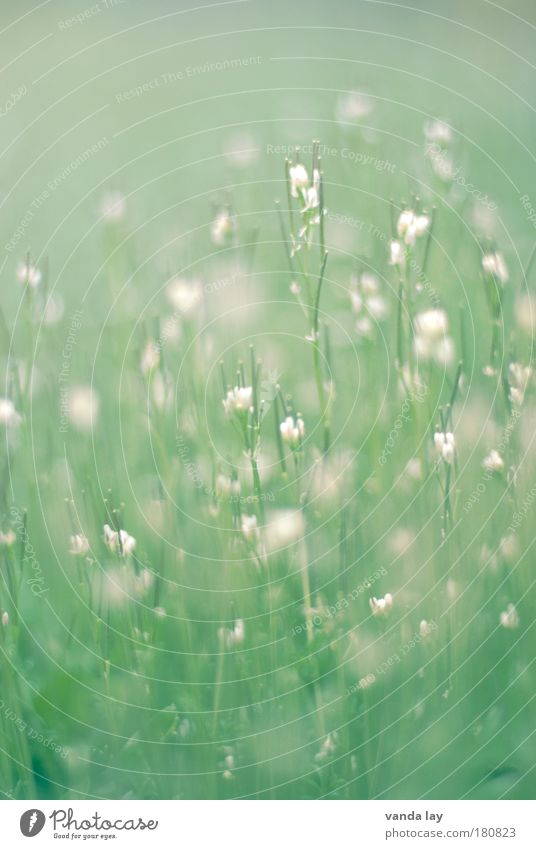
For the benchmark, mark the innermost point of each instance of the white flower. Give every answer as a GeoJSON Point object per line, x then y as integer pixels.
{"type": "Point", "coordinates": [299, 179]}
{"type": "Point", "coordinates": [149, 358]}
{"type": "Point", "coordinates": [8, 539]}
{"type": "Point", "coordinates": [222, 227]}
{"type": "Point", "coordinates": [437, 132]}
{"type": "Point", "coordinates": [119, 542]}
{"type": "Point", "coordinates": [381, 606]}
{"type": "Point", "coordinates": [493, 263]}
{"type": "Point", "coordinates": [79, 545]}
{"type": "Point", "coordinates": [410, 226]}
{"type": "Point", "coordinates": [5, 618]}
{"type": "Point", "coordinates": [509, 617]}
{"type": "Point", "coordinates": [445, 446]}
{"type": "Point", "coordinates": [292, 432]}
{"type": "Point", "coordinates": [83, 407]}
{"type": "Point", "coordinates": [230, 638]}
{"type": "Point", "coordinates": [431, 324]}
{"type": "Point", "coordinates": [352, 107]}
{"type": "Point", "coordinates": [29, 274]}
{"type": "Point", "coordinates": [113, 206]}
{"type": "Point", "coordinates": [238, 400]}
{"type": "Point", "coordinates": [328, 747]}
{"type": "Point", "coordinates": [284, 528]}
{"type": "Point", "coordinates": [248, 526]}
{"type": "Point", "coordinates": [396, 253]}
{"type": "Point", "coordinates": [8, 414]}
{"type": "Point", "coordinates": [183, 295]}
{"type": "Point", "coordinates": [493, 462]}
{"type": "Point", "coordinates": [431, 340]}
{"type": "Point", "coordinates": [519, 377]}
{"type": "Point", "coordinates": [425, 628]}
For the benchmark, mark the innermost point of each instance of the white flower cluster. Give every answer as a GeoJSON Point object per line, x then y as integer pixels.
{"type": "Point", "coordinates": [445, 445]}
{"type": "Point", "coordinates": [509, 618]}
{"type": "Point", "coordinates": [519, 377]}
{"type": "Point", "coordinates": [79, 545]}
{"type": "Point", "coordinates": [29, 274]}
{"type": "Point", "coordinates": [8, 414]}
{"type": "Point", "coordinates": [493, 462]}
{"type": "Point", "coordinates": [238, 400]}
{"type": "Point", "coordinates": [410, 226]}
{"type": "Point", "coordinates": [493, 263]}
{"type": "Point", "coordinates": [381, 606]}
{"type": "Point", "coordinates": [432, 340]}
{"type": "Point", "coordinates": [232, 637]}
{"type": "Point", "coordinates": [119, 542]}
{"type": "Point", "coordinates": [368, 305]}
{"type": "Point", "coordinates": [292, 431]}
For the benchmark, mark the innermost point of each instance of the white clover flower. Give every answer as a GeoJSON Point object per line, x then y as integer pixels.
{"type": "Point", "coordinates": [493, 263]}
{"type": "Point", "coordinates": [79, 545]}
{"type": "Point", "coordinates": [410, 226]}
{"type": "Point", "coordinates": [238, 400]}
{"type": "Point", "coordinates": [381, 606]}
{"type": "Point", "coordinates": [509, 618]}
{"type": "Point", "coordinates": [493, 462]}
{"type": "Point", "coordinates": [83, 407]}
{"type": "Point", "coordinates": [292, 431]}
{"type": "Point", "coordinates": [113, 206]}
{"type": "Point", "coordinates": [8, 414]}
{"type": "Point", "coordinates": [397, 255]}
{"type": "Point", "coordinates": [230, 638]}
{"type": "Point", "coordinates": [222, 227]}
{"type": "Point", "coordinates": [150, 358]}
{"type": "Point", "coordinates": [445, 446]}
{"type": "Point", "coordinates": [183, 295]}
{"type": "Point", "coordinates": [119, 542]}
{"type": "Point", "coordinates": [299, 179]}
{"type": "Point", "coordinates": [29, 274]}
{"type": "Point", "coordinates": [248, 526]}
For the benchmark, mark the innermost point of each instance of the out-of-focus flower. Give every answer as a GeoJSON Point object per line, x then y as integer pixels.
{"type": "Point", "coordinates": [5, 618]}
{"type": "Point", "coordinates": [509, 618]}
{"type": "Point", "coordinates": [248, 526]}
{"type": "Point", "coordinates": [493, 263]}
{"type": "Point", "coordinates": [8, 414]}
{"type": "Point", "coordinates": [29, 274]}
{"type": "Point", "coordinates": [79, 545]}
{"type": "Point", "coordinates": [445, 445]}
{"type": "Point", "coordinates": [353, 107]}
{"type": "Point", "coordinates": [437, 132]}
{"type": "Point", "coordinates": [299, 179]}
{"type": "Point", "coordinates": [411, 225]}
{"type": "Point", "coordinates": [425, 628]}
{"type": "Point", "coordinates": [238, 400]}
{"type": "Point", "coordinates": [8, 538]}
{"type": "Point", "coordinates": [519, 377]}
{"type": "Point", "coordinates": [113, 206]}
{"type": "Point", "coordinates": [381, 606]}
{"type": "Point", "coordinates": [432, 341]}
{"type": "Point", "coordinates": [119, 542]}
{"type": "Point", "coordinates": [183, 295]}
{"type": "Point", "coordinates": [397, 254]}
{"type": "Point", "coordinates": [83, 407]}
{"type": "Point", "coordinates": [328, 747]}
{"type": "Point", "coordinates": [223, 227]}
{"type": "Point", "coordinates": [149, 358]}
{"type": "Point", "coordinates": [292, 430]}
{"type": "Point", "coordinates": [232, 637]}
{"type": "Point", "coordinates": [493, 462]}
